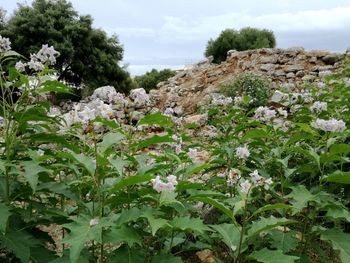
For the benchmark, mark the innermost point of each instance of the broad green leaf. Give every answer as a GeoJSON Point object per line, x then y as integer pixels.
{"type": "Point", "coordinates": [255, 133]}
{"type": "Point", "coordinates": [169, 198]}
{"type": "Point", "coordinates": [31, 172]}
{"type": "Point", "coordinates": [337, 212]}
{"type": "Point", "coordinates": [19, 243]}
{"type": "Point", "coordinates": [340, 241]}
{"type": "Point", "coordinates": [339, 177]}
{"type": "Point", "coordinates": [81, 231]}
{"type": "Point", "coordinates": [216, 204]}
{"type": "Point", "coordinates": [155, 223]}
{"type": "Point", "coordinates": [271, 207]}
{"type": "Point", "coordinates": [339, 148]}
{"type": "Point", "coordinates": [124, 254]}
{"type": "Point", "coordinates": [230, 235]}
{"type": "Point", "coordinates": [306, 128]}
{"type": "Point", "coordinates": [272, 256]}
{"type": "Point", "coordinates": [109, 139]}
{"type": "Point", "coordinates": [5, 213]}
{"type": "Point", "coordinates": [86, 161]}
{"type": "Point", "coordinates": [189, 224]}
{"type": "Point", "coordinates": [127, 216]}
{"type": "Point", "coordinates": [156, 119]}
{"type": "Point", "coordinates": [300, 198]}
{"type": "Point", "coordinates": [153, 140]}
{"type": "Point", "coordinates": [285, 241]}
{"type": "Point", "coordinates": [166, 258]}
{"type": "Point", "coordinates": [264, 224]}
{"type": "Point", "coordinates": [54, 86]}
{"type": "Point", "coordinates": [119, 164]}
{"type": "Point", "coordinates": [123, 234]}
{"type": "Point", "coordinates": [131, 180]}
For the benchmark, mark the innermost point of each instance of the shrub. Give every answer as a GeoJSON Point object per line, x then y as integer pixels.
{"type": "Point", "coordinates": [253, 85]}
{"type": "Point", "coordinates": [245, 39]}
{"type": "Point", "coordinates": [150, 79]}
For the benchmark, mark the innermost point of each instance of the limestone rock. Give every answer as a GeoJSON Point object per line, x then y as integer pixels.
{"type": "Point", "coordinates": [294, 68]}
{"type": "Point", "coordinates": [199, 119]}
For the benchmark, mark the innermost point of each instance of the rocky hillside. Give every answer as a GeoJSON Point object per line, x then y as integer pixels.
{"type": "Point", "coordinates": [291, 67]}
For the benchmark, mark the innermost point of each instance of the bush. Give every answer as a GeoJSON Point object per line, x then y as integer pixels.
{"type": "Point", "coordinates": [150, 79]}
{"type": "Point", "coordinates": [253, 85]}
{"type": "Point", "coordinates": [245, 39]}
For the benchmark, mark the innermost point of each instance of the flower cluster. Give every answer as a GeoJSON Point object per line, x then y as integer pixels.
{"type": "Point", "coordinates": [46, 55]}
{"type": "Point", "coordinates": [319, 106]}
{"type": "Point", "coordinates": [242, 152]}
{"type": "Point", "coordinates": [331, 125]}
{"type": "Point", "coordinates": [221, 100]}
{"type": "Point", "coordinates": [264, 114]}
{"type": "Point", "coordinates": [233, 177]}
{"type": "Point", "coordinates": [5, 44]}
{"type": "Point", "coordinates": [256, 181]}
{"type": "Point", "coordinates": [161, 186]}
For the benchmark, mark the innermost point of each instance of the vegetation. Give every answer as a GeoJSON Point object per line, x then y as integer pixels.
{"type": "Point", "coordinates": [256, 87]}
{"type": "Point", "coordinates": [244, 39]}
{"type": "Point", "coordinates": [274, 186]}
{"type": "Point", "coordinates": [150, 79]}
{"type": "Point", "coordinates": [88, 56]}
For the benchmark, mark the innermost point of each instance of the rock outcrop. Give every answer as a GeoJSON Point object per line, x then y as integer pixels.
{"type": "Point", "coordinates": [292, 67]}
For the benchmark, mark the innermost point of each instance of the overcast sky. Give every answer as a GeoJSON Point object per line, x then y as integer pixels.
{"type": "Point", "coordinates": [164, 33]}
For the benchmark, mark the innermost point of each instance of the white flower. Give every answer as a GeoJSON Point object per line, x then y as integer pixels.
{"type": "Point", "coordinates": [20, 66]}
{"type": "Point", "coordinates": [205, 177]}
{"type": "Point", "coordinates": [94, 222]}
{"type": "Point", "coordinates": [245, 186]}
{"type": "Point", "coordinates": [172, 179]}
{"type": "Point", "coordinates": [40, 152]}
{"type": "Point", "coordinates": [324, 73]}
{"type": "Point", "coordinates": [233, 177]}
{"type": "Point", "coordinates": [192, 154]}
{"type": "Point", "coordinates": [321, 84]}
{"type": "Point", "coordinates": [221, 175]}
{"type": "Point", "coordinates": [35, 65]}
{"type": "Point", "coordinates": [282, 112]}
{"type": "Point", "coordinates": [5, 44]}
{"type": "Point", "coordinates": [267, 183]}
{"type": "Point", "coordinates": [160, 186]}
{"type": "Point", "coordinates": [264, 114]}
{"type": "Point", "coordinates": [319, 106]}
{"type": "Point", "coordinates": [220, 100]}
{"type": "Point", "coordinates": [242, 152]}
{"type": "Point", "coordinates": [47, 54]}
{"type": "Point", "coordinates": [331, 125]}
{"type": "Point", "coordinates": [169, 112]}
{"type": "Point", "coordinates": [256, 178]}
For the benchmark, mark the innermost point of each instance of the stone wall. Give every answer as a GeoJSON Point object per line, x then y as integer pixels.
{"type": "Point", "coordinates": [191, 87]}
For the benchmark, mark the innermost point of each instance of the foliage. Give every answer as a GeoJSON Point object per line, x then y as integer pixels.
{"type": "Point", "coordinates": [150, 79]}
{"type": "Point", "coordinates": [244, 39]}
{"type": "Point", "coordinates": [267, 192]}
{"type": "Point", "coordinates": [249, 84]}
{"type": "Point", "coordinates": [88, 56]}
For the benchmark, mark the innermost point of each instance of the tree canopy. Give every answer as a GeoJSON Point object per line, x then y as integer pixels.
{"type": "Point", "coordinates": [150, 79]}
{"type": "Point", "coordinates": [244, 39]}
{"type": "Point", "coordinates": [88, 56]}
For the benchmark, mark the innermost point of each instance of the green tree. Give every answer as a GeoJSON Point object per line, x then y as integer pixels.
{"type": "Point", "coordinates": [88, 56]}
{"type": "Point", "coordinates": [245, 39]}
{"type": "Point", "coordinates": [150, 79]}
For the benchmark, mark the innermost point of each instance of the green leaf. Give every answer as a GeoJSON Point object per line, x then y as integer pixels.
{"type": "Point", "coordinates": [86, 161]}
{"type": "Point", "coordinates": [271, 207]}
{"type": "Point", "coordinates": [31, 172]}
{"type": "Point", "coordinates": [155, 223]}
{"type": "Point", "coordinates": [285, 241]}
{"type": "Point", "coordinates": [230, 235]}
{"type": "Point", "coordinates": [123, 234]}
{"type": "Point", "coordinates": [5, 214]}
{"type": "Point", "coordinates": [169, 198]}
{"type": "Point", "coordinates": [129, 215]}
{"type": "Point", "coordinates": [54, 86]}
{"type": "Point", "coordinates": [124, 254]}
{"type": "Point", "coordinates": [267, 223]}
{"type": "Point", "coordinates": [157, 119]}
{"type": "Point", "coordinates": [272, 256]}
{"type": "Point", "coordinates": [109, 139]}
{"type": "Point", "coordinates": [153, 140]}
{"type": "Point", "coordinates": [300, 198]}
{"type": "Point", "coordinates": [166, 258]}
{"type": "Point", "coordinates": [339, 148]}
{"type": "Point", "coordinates": [80, 232]}
{"type": "Point", "coordinates": [216, 204]}
{"type": "Point", "coordinates": [339, 177]}
{"type": "Point", "coordinates": [255, 133]}
{"type": "Point", "coordinates": [306, 128]}
{"type": "Point", "coordinates": [189, 224]}
{"type": "Point", "coordinates": [337, 212]}
{"type": "Point", "coordinates": [19, 243]}
{"type": "Point", "coordinates": [119, 164]}
{"type": "Point", "coordinates": [132, 180]}
{"type": "Point", "coordinates": [340, 241]}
